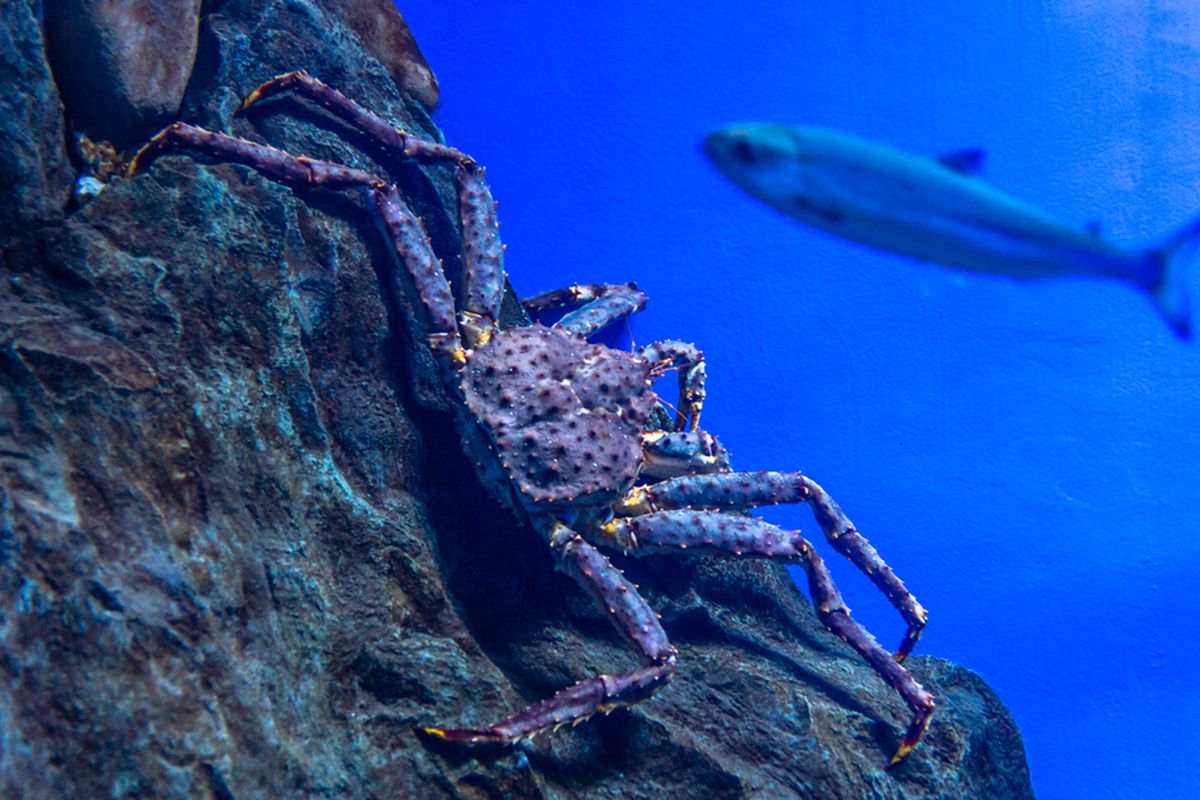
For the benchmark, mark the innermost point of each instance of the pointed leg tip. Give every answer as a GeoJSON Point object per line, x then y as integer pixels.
{"type": "Point", "coordinates": [908, 645]}
{"type": "Point", "coordinates": [433, 733]}
{"type": "Point", "coordinates": [466, 736]}
{"type": "Point", "coordinates": [139, 162]}
{"type": "Point", "coordinates": [913, 735]}
{"type": "Point", "coordinates": [447, 734]}
{"type": "Point", "coordinates": [904, 749]}
{"type": "Point", "coordinates": [149, 151]}
{"type": "Point", "coordinates": [250, 100]}
{"type": "Point", "coordinates": [274, 86]}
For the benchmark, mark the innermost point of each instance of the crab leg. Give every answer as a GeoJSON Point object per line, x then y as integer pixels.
{"type": "Point", "coordinates": [704, 531]}
{"type": "Point", "coordinates": [571, 296]}
{"type": "Point", "coordinates": [407, 236]}
{"type": "Point", "coordinates": [483, 271]}
{"type": "Point", "coordinates": [389, 138]}
{"type": "Point", "coordinates": [741, 490]}
{"type": "Point", "coordinates": [600, 304]}
{"type": "Point", "coordinates": [690, 361]}
{"type": "Point", "coordinates": [483, 257]}
{"type": "Point", "coordinates": [633, 618]}
{"type": "Point", "coordinates": [294, 171]}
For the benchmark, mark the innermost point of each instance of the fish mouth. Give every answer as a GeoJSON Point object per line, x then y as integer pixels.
{"type": "Point", "coordinates": [731, 146]}
{"type": "Point", "coordinates": [750, 147]}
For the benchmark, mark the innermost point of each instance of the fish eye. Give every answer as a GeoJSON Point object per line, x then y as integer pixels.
{"type": "Point", "coordinates": [743, 152]}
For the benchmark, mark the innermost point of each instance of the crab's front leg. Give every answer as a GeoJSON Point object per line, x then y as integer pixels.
{"type": "Point", "coordinates": [600, 304]}
{"type": "Point", "coordinates": [730, 534]}
{"type": "Point", "coordinates": [632, 617]}
{"type": "Point", "coordinates": [689, 360]}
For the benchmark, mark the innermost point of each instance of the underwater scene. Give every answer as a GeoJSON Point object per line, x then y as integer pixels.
{"type": "Point", "coordinates": [416, 399]}
{"type": "Point", "coordinates": [1022, 453]}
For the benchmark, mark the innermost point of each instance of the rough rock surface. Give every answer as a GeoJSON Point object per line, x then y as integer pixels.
{"type": "Point", "coordinates": [386, 36]}
{"type": "Point", "coordinates": [241, 556]}
{"type": "Point", "coordinates": [35, 174]}
{"type": "Point", "coordinates": [121, 67]}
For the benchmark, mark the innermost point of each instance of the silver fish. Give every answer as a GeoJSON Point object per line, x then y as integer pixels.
{"type": "Point", "coordinates": [938, 211]}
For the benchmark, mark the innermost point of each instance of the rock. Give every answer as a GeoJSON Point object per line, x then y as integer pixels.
{"type": "Point", "coordinates": [242, 553]}
{"type": "Point", "coordinates": [122, 67]}
{"type": "Point", "coordinates": [385, 35]}
{"type": "Point", "coordinates": [35, 172]}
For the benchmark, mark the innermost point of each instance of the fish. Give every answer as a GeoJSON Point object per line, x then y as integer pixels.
{"type": "Point", "coordinates": [939, 210]}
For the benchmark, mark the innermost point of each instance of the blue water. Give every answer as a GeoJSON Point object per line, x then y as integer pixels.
{"type": "Point", "coordinates": [1025, 455]}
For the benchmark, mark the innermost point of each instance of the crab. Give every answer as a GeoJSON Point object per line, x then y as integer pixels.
{"type": "Point", "coordinates": [562, 430]}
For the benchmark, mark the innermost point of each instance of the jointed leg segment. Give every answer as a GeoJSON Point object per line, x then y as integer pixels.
{"type": "Point", "coordinates": [687, 358]}
{"type": "Point", "coordinates": [633, 618]}
{"type": "Point", "coordinates": [600, 304]}
{"type": "Point", "coordinates": [675, 514]}
{"type": "Point", "coordinates": [706, 531]}
{"type": "Point", "coordinates": [390, 139]}
{"type": "Point", "coordinates": [572, 296]}
{"type": "Point", "coordinates": [409, 238]}
{"type": "Point", "coordinates": [483, 275]}
{"type": "Point", "coordinates": [742, 490]}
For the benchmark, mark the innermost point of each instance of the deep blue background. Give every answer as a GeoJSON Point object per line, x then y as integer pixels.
{"type": "Point", "coordinates": [1025, 456]}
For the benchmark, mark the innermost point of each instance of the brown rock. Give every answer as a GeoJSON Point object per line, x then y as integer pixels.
{"type": "Point", "coordinates": [122, 67]}
{"type": "Point", "coordinates": [386, 36]}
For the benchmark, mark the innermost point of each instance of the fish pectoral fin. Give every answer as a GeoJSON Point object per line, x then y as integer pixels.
{"type": "Point", "coordinates": [805, 206]}
{"type": "Point", "coordinates": [964, 162]}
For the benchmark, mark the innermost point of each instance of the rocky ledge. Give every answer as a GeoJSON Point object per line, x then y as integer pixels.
{"type": "Point", "coordinates": [241, 553]}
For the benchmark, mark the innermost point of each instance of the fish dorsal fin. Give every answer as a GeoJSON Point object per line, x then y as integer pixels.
{"type": "Point", "coordinates": [964, 162]}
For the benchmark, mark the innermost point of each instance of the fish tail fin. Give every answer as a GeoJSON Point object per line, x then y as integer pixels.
{"type": "Point", "coordinates": [1173, 263]}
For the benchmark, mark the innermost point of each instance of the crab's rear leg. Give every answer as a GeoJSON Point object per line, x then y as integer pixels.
{"type": "Point", "coordinates": [730, 534]}
{"type": "Point", "coordinates": [483, 269]}
{"type": "Point", "coordinates": [633, 618]}
{"type": "Point", "coordinates": [742, 490]}
{"type": "Point", "coordinates": [389, 138]}
{"type": "Point", "coordinates": [407, 235]}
